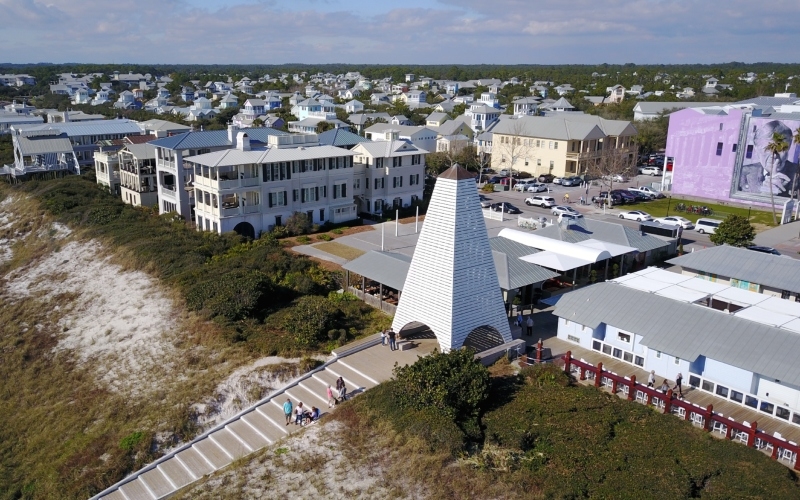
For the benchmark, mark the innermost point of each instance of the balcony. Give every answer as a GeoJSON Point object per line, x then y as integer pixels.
{"type": "Point", "coordinates": [168, 191]}
{"type": "Point", "coordinates": [166, 166]}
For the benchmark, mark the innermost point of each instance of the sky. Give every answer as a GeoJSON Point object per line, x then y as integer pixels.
{"type": "Point", "coordinates": [407, 32]}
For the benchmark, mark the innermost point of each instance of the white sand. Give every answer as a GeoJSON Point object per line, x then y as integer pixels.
{"type": "Point", "coordinates": [119, 320]}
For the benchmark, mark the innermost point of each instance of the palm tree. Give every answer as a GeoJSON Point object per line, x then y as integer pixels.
{"type": "Point", "coordinates": [777, 146]}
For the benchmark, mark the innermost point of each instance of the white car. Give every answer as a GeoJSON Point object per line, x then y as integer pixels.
{"type": "Point", "coordinates": [559, 209]}
{"type": "Point", "coordinates": [536, 187]}
{"type": "Point", "coordinates": [524, 185]}
{"type": "Point", "coordinates": [557, 180]}
{"type": "Point", "coordinates": [540, 201]}
{"type": "Point", "coordinates": [651, 171]}
{"type": "Point", "coordinates": [485, 202]}
{"type": "Point", "coordinates": [673, 220]}
{"type": "Point", "coordinates": [566, 216]}
{"type": "Point", "coordinates": [636, 215]}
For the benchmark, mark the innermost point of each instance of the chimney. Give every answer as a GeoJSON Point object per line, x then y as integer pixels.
{"type": "Point", "coordinates": [232, 129]}
{"type": "Point", "coordinates": [242, 141]}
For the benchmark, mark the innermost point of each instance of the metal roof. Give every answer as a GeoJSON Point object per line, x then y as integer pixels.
{"type": "Point", "coordinates": [213, 138]}
{"type": "Point", "coordinates": [384, 267]}
{"type": "Point", "coordinates": [774, 271]}
{"type": "Point", "coordinates": [44, 145]}
{"type": "Point", "coordinates": [611, 232]}
{"type": "Point", "coordinates": [340, 137]}
{"type": "Point", "coordinates": [686, 330]}
{"type": "Point", "coordinates": [231, 157]}
{"type": "Point", "coordinates": [513, 272]}
{"type": "Point", "coordinates": [91, 127]}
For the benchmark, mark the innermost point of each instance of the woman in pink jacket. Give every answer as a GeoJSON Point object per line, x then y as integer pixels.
{"type": "Point", "coordinates": [331, 399]}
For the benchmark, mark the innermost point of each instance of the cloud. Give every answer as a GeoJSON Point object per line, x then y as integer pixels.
{"type": "Point", "coordinates": [443, 32]}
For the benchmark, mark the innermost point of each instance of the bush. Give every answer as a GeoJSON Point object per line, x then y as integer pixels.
{"type": "Point", "coordinates": [298, 223]}
{"type": "Point", "coordinates": [338, 230]}
{"type": "Point", "coordinates": [280, 231]}
{"type": "Point", "coordinates": [488, 188]}
{"type": "Point", "coordinates": [233, 296]}
{"type": "Point", "coordinates": [310, 319]}
{"type": "Point", "coordinates": [303, 240]}
{"type": "Point", "coordinates": [453, 384]}
{"type": "Point", "coordinates": [325, 237]}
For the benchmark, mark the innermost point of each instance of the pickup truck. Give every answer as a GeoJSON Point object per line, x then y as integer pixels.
{"type": "Point", "coordinates": [647, 191]}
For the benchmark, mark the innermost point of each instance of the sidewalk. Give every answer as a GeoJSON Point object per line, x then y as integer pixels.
{"type": "Point", "coordinates": [785, 238]}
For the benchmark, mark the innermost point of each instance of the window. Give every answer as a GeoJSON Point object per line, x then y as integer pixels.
{"type": "Point", "coordinates": [596, 345]}
{"type": "Point", "coordinates": [767, 407]}
{"type": "Point", "coordinates": [627, 356]}
{"type": "Point", "coordinates": [719, 149]}
{"type": "Point", "coordinates": [736, 396]}
{"type": "Point", "coordinates": [295, 194]}
{"type": "Point", "coordinates": [416, 159]}
{"type": "Point", "coordinates": [550, 145]}
{"type": "Point", "coordinates": [733, 149]}
{"type": "Point", "coordinates": [785, 294]}
{"type": "Point", "coordinates": [782, 413]}
{"type": "Point", "coordinates": [573, 338]}
{"type": "Point", "coordinates": [658, 354]}
{"type": "Point", "coordinates": [722, 391]}
{"type": "Point", "coordinates": [751, 401]}
{"type": "Point", "coordinates": [606, 349]}
{"type": "Point", "coordinates": [694, 381]}
{"type": "Point", "coordinates": [624, 337]}
{"type": "Point", "coordinates": [639, 361]}
{"type": "Point", "coordinates": [555, 146]}
{"type": "Point", "coordinates": [397, 161]}
{"type": "Point", "coordinates": [397, 182]}
{"type": "Point", "coordinates": [378, 205]}
{"type": "Point", "coordinates": [708, 386]}
{"type": "Point", "coordinates": [720, 126]}
{"type": "Point", "coordinates": [538, 162]}
{"type": "Point", "coordinates": [413, 179]}
{"type": "Point", "coordinates": [321, 214]}
{"type": "Point", "coordinates": [749, 151]}
{"type": "Point", "coordinates": [552, 164]}
{"type": "Point", "coordinates": [617, 353]}
{"type": "Point", "coordinates": [356, 183]}
{"type": "Point", "coordinates": [677, 361]}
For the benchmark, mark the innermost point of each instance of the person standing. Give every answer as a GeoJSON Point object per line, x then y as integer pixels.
{"type": "Point", "coordinates": [392, 343]}
{"type": "Point", "coordinates": [519, 319]}
{"type": "Point", "coordinates": [299, 413]}
{"type": "Point", "coordinates": [530, 325]}
{"type": "Point", "coordinates": [342, 390]}
{"type": "Point", "coordinates": [383, 337]}
{"type": "Point", "coordinates": [678, 384]}
{"type": "Point", "coordinates": [287, 411]}
{"type": "Point", "coordinates": [331, 399]}
{"type": "Point", "coordinates": [651, 379]}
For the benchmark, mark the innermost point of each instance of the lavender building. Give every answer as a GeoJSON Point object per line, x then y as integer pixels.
{"type": "Point", "coordinates": [719, 152]}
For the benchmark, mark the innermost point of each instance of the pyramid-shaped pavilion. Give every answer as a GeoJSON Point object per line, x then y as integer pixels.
{"type": "Point", "coordinates": [452, 285]}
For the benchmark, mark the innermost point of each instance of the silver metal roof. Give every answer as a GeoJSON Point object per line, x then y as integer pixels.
{"type": "Point", "coordinates": [686, 330]}
{"type": "Point", "coordinates": [513, 272]}
{"type": "Point", "coordinates": [765, 269]}
{"type": "Point", "coordinates": [92, 127]}
{"type": "Point", "coordinates": [384, 267]}
{"type": "Point", "coordinates": [611, 232]}
{"type": "Point", "coordinates": [44, 145]}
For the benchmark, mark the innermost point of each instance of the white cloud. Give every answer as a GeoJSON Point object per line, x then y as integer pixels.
{"type": "Point", "coordinates": [448, 31]}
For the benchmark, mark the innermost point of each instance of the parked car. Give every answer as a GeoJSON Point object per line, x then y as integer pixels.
{"type": "Point", "coordinates": [757, 248]}
{"type": "Point", "coordinates": [603, 196]}
{"type": "Point", "coordinates": [619, 178]}
{"type": "Point", "coordinates": [523, 185]}
{"type": "Point", "coordinates": [540, 201]}
{"type": "Point", "coordinates": [505, 207]}
{"type": "Point", "coordinates": [704, 226]}
{"type": "Point", "coordinates": [508, 181]}
{"type": "Point", "coordinates": [627, 196]}
{"type": "Point", "coordinates": [504, 172]}
{"type": "Point", "coordinates": [564, 216]}
{"type": "Point", "coordinates": [674, 220]}
{"type": "Point", "coordinates": [485, 202]}
{"type": "Point", "coordinates": [640, 196]}
{"type": "Point", "coordinates": [648, 191]}
{"type": "Point", "coordinates": [546, 178]}
{"type": "Point", "coordinates": [636, 215]}
{"type": "Point", "coordinates": [571, 181]}
{"type": "Point", "coordinates": [651, 171]}
{"type": "Point", "coordinates": [560, 209]}
{"type": "Point", "coordinates": [496, 179]}
{"type": "Point", "coordinates": [557, 180]}
{"type": "Point", "coordinates": [536, 187]}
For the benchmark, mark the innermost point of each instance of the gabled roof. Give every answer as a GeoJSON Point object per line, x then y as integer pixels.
{"type": "Point", "coordinates": [340, 137]}
{"type": "Point", "coordinates": [407, 130]}
{"type": "Point", "coordinates": [387, 268]}
{"type": "Point", "coordinates": [774, 271]}
{"type": "Point", "coordinates": [44, 144]}
{"type": "Point", "coordinates": [611, 232]}
{"type": "Point", "coordinates": [437, 116]}
{"type": "Point", "coordinates": [231, 157]}
{"type": "Point", "coordinates": [512, 272]}
{"type": "Point", "coordinates": [89, 127]}
{"type": "Point", "coordinates": [686, 330]}
{"type": "Point", "coordinates": [388, 149]}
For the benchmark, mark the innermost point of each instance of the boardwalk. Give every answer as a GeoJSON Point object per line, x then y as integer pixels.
{"type": "Point", "coordinates": [362, 365]}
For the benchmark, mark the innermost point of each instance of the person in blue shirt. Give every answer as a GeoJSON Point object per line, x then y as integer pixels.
{"type": "Point", "coordinates": [287, 411]}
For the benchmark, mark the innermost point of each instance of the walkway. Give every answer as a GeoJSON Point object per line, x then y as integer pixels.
{"type": "Point", "coordinates": [362, 364]}
{"type": "Point", "coordinates": [785, 238]}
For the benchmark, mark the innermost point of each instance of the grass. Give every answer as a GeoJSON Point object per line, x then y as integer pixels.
{"type": "Point", "coordinates": [658, 208]}
{"type": "Point", "coordinates": [340, 250]}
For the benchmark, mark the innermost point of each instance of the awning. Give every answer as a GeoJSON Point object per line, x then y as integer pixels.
{"type": "Point", "coordinates": [557, 261]}
{"type": "Point", "coordinates": [740, 297]}
{"type": "Point", "coordinates": [612, 248]}
{"type": "Point", "coordinates": [584, 253]}
{"type": "Point", "coordinates": [387, 268]}
{"type": "Point", "coordinates": [677, 292]}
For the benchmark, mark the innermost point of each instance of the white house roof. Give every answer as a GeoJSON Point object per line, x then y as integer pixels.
{"type": "Point", "coordinates": [232, 157]}
{"type": "Point", "coordinates": [555, 260]}
{"type": "Point", "coordinates": [584, 253]}
{"type": "Point", "coordinates": [386, 149]}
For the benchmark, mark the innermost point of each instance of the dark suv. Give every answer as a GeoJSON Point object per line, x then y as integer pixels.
{"type": "Point", "coordinates": [546, 178]}
{"type": "Point", "coordinates": [603, 196]}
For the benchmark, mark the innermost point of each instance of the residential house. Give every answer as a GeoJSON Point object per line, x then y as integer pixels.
{"type": "Point", "coordinates": [388, 174]}
{"type": "Point", "coordinates": [101, 97]}
{"type": "Point", "coordinates": [410, 77]}
{"type": "Point", "coordinates": [489, 99]}
{"type": "Point", "coordinates": [564, 89]}
{"type": "Point", "coordinates": [524, 106]}
{"type": "Point", "coordinates": [8, 120]}
{"type": "Point", "coordinates": [436, 119]}
{"type": "Point", "coordinates": [452, 143]}
{"type": "Point", "coordinates": [652, 110]}
{"type": "Point", "coordinates": [41, 150]}
{"type": "Point", "coordinates": [229, 102]}
{"type": "Point", "coordinates": [176, 177]}
{"type": "Point", "coordinates": [187, 94]}
{"type": "Point", "coordinates": [312, 108]}
{"type": "Point", "coordinates": [616, 94]}
{"type": "Point", "coordinates": [563, 144]}
{"type": "Point", "coordinates": [414, 97]}
{"type": "Point", "coordinates": [81, 96]}
{"type": "Point", "coordinates": [423, 138]}
{"type": "Point", "coordinates": [17, 80]}
{"type": "Point", "coordinates": [354, 107]}
{"type": "Point", "coordinates": [127, 100]}
{"type": "Point", "coordinates": [481, 116]}
{"type": "Point", "coordinates": [251, 189]}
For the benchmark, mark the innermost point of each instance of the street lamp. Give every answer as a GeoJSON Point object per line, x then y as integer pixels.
{"type": "Point", "coordinates": [669, 200]}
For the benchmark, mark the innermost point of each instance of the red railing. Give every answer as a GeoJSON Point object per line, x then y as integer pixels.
{"type": "Point", "coordinates": [749, 435]}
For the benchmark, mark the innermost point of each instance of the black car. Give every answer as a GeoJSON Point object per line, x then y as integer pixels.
{"type": "Point", "coordinates": [627, 196]}
{"type": "Point", "coordinates": [761, 249]}
{"type": "Point", "coordinates": [603, 196]}
{"type": "Point", "coordinates": [496, 179]}
{"type": "Point", "coordinates": [505, 207]}
{"type": "Point", "coordinates": [546, 178]}
{"type": "Point", "coordinates": [640, 196]}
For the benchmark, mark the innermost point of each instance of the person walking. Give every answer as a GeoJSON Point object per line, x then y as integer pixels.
{"type": "Point", "coordinates": [342, 391]}
{"type": "Point", "coordinates": [665, 386]}
{"type": "Point", "coordinates": [530, 325]}
{"type": "Point", "coordinates": [651, 379]}
{"type": "Point", "coordinates": [331, 399]}
{"type": "Point", "coordinates": [678, 384]}
{"type": "Point", "coordinates": [519, 319]}
{"type": "Point", "coordinates": [392, 343]}
{"type": "Point", "coordinates": [566, 198]}
{"type": "Point", "coordinates": [287, 411]}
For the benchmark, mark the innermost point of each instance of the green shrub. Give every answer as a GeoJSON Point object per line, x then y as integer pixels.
{"type": "Point", "coordinates": [129, 442]}
{"type": "Point", "coordinates": [309, 319]}
{"type": "Point", "coordinates": [280, 231]}
{"type": "Point", "coordinates": [338, 230]}
{"type": "Point", "coordinates": [298, 223]}
{"type": "Point", "coordinates": [325, 237]}
{"type": "Point", "coordinates": [488, 188]}
{"type": "Point", "coordinates": [307, 364]}
{"type": "Point", "coordinates": [303, 240]}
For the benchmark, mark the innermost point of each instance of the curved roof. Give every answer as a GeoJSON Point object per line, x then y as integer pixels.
{"type": "Point", "coordinates": [580, 252]}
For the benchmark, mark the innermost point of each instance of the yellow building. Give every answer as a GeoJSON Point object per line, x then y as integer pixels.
{"type": "Point", "coordinates": [566, 144]}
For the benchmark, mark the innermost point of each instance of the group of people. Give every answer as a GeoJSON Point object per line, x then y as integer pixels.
{"type": "Point", "coordinates": [303, 416]}
{"type": "Point", "coordinates": [651, 381]}
{"type": "Point", "coordinates": [528, 324]}
{"type": "Point", "coordinates": [389, 336]}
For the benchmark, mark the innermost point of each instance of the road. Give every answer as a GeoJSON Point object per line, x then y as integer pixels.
{"type": "Point", "coordinates": [691, 239]}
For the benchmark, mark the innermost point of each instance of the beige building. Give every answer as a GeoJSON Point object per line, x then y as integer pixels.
{"type": "Point", "coordinates": [566, 144]}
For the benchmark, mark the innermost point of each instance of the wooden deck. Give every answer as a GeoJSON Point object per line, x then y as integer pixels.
{"type": "Point", "coordinates": [723, 407]}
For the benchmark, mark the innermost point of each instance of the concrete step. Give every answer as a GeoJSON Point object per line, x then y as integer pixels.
{"type": "Point", "coordinates": [136, 490]}
{"type": "Point", "coordinates": [231, 444]}
{"type": "Point", "coordinates": [366, 368]}
{"type": "Point", "coordinates": [216, 456]}
{"type": "Point", "coordinates": [353, 380]}
{"type": "Point", "coordinates": [114, 495]}
{"type": "Point", "coordinates": [273, 410]}
{"type": "Point", "coordinates": [320, 387]}
{"type": "Point", "coordinates": [265, 426]}
{"type": "Point", "coordinates": [255, 439]}
{"type": "Point", "coordinates": [157, 482]}
{"type": "Point", "coordinates": [176, 472]}
{"type": "Point", "coordinates": [194, 463]}
{"type": "Point", "coordinates": [309, 399]}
